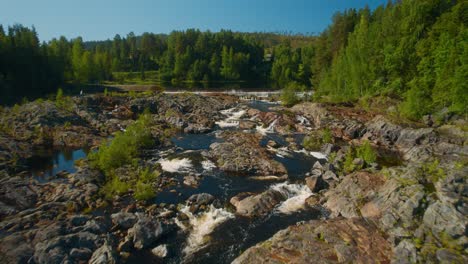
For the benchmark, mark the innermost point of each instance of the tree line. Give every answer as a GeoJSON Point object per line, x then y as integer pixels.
{"type": "Point", "coordinates": [415, 51]}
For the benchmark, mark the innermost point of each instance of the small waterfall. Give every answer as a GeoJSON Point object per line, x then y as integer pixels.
{"type": "Point", "coordinates": [296, 195]}
{"type": "Point", "coordinates": [233, 117]}
{"type": "Point", "coordinates": [176, 165]}
{"type": "Point", "coordinates": [201, 226]}
{"type": "Point", "coordinates": [269, 129]}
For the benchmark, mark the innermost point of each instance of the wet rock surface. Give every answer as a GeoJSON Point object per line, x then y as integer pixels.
{"type": "Point", "coordinates": [332, 241]}
{"type": "Point", "coordinates": [241, 153]}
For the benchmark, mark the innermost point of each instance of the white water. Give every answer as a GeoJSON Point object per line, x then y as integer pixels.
{"type": "Point", "coordinates": [233, 117]}
{"type": "Point", "coordinates": [208, 165]}
{"type": "Point", "coordinates": [201, 226]}
{"type": "Point", "coordinates": [296, 193]}
{"type": "Point", "coordinates": [176, 165]}
{"type": "Point", "coordinates": [280, 152]}
{"type": "Point", "coordinates": [269, 129]}
{"type": "Point", "coordinates": [315, 154]}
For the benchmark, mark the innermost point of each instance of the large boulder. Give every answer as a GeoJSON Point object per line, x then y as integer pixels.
{"type": "Point", "coordinates": [145, 232]}
{"type": "Point", "coordinates": [251, 205]}
{"type": "Point", "coordinates": [241, 153]}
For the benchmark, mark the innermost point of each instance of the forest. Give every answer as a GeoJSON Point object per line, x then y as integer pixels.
{"type": "Point", "coordinates": [413, 51]}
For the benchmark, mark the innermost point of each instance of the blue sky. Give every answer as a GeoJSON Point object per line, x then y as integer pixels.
{"type": "Point", "coordinates": [102, 19]}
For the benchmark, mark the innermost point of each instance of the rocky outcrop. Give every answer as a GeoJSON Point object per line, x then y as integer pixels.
{"type": "Point", "coordinates": [145, 232]}
{"type": "Point", "coordinates": [241, 153]}
{"type": "Point", "coordinates": [252, 205]}
{"type": "Point", "coordinates": [331, 241]}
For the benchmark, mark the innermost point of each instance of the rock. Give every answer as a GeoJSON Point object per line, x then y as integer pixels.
{"type": "Point", "coordinates": [125, 246]}
{"type": "Point", "coordinates": [15, 249]}
{"type": "Point", "coordinates": [104, 255]}
{"type": "Point", "coordinates": [328, 148]}
{"type": "Point", "coordinates": [124, 220]}
{"type": "Point", "coordinates": [246, 124]}
{"type": "Point", "coordinates": [316, 183]}
{"type": "Point", "coordinates": [330, 241]}
{"type": "Point", "coordinates": [442, 218]}
{"type": "Point", "coordinates": [190, 180]}
{"type": "Point", "coordinates": [358, 162]}
{"type": "Point", "coordinates": [272, 143]}
{"type": "Point", "coordinates": [445, 255]}
{"type": "Point", "coordinates": [82, 254]}
{"type": "Point", "coordinates": [145, 232]}
{"type": "Point", "coordinates": [79, 220]}
{"type": "Point", "coordinates": [200, 199]}
{"type": "Point", "coordinates": [56, 249]}
{"type": "Point", "coordinates": [16, 194]}
{"type": "Point", "coordinates": [312, 201]}
{"type": "Point", "coordinates": [350, 193]}
{"type": "Point", "coordinates": [160, 251]}
{"type": "Point", "coordinates": [405, 252]}
{"type": "Point", "coordinates": [248, 204]}
{"type": "Point", "coordinates": [329, 176]}
{"type": "Point", "coordinates": [241, 153]}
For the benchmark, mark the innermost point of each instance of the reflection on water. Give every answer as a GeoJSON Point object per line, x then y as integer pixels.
{"type": "Point", "coordinates": [46, 163]}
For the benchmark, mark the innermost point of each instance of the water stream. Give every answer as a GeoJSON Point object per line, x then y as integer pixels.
{"type": "Point", "coordinates": [216, 235]}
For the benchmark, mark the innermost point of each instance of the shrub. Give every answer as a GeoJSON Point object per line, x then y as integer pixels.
{"type": "Point", "coordinates": [348, 165]}
{"type": "Point", "coordinates": [315, 140]}
{"type": "Point", "coordinates": [143, 191]}
{"type": "Point", "coordinates": [114, 186]}
{"type": "Point", "coordinates": [432, 172]}
{"type": "Point", "coordinates": [289, 94]}
{"type": "Point", "coordinates": [63, 102]}
{"type": "Point", "coordinates": [366, 153]}
{"type": "Point", "coordinates": [123, 149]}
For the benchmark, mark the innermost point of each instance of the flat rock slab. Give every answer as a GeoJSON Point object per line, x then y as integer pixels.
{"type": "Point", "coordinates": [318, 241]}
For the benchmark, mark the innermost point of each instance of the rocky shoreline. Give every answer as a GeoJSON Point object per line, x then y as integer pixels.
{"type": "Point", "coordinates": [410, 211]}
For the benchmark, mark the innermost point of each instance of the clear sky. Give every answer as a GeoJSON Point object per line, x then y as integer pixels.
{"type": "Point", "coordinates": [102, 19]}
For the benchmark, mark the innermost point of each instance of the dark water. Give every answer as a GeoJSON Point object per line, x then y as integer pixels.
{"type": "Point", "coordinates": [46, 163]}
{"type": "Point", "coordinates": [231, 238]}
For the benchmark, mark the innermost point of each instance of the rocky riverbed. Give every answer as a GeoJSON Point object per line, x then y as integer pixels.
{"type": "Point", "coordinates": [236, 183]}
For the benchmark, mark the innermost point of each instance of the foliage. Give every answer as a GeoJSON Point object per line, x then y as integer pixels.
{"type": "Point", "coordinates": [432, 171]}
{"type": "Point", "coordinates": [348, 164]}
{"type": "Point", "coordinates": [366, 152]}
{"type": "Point", "coordinates": [315, 140]}
{"type": "Point", "coordinates": [289, 95]}
{"type": "Point", "coordinates": [62, 101]}
{"type": "Point", "coordinates": [123, 148]}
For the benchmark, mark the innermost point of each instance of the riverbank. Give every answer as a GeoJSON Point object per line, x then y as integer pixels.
{"type": "Point", "coordinates": [242, 181]}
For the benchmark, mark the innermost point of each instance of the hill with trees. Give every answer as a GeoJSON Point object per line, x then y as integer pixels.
{"type": "Point", "coordinates": [414, 51]}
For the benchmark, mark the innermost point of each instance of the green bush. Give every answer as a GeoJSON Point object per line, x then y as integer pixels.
{"type": "Point", "coordinates": [114, 186]}
{"type": "Point", "coordinates": [144, 191]}
{"type": "Point", "coordinates": [315, 140]}
{"type": "Point", "coordinates": [366, 153]}
{"type": "Point", "coordinates": [63, 102]}
{"type": "Point", "coordinates": [348, 165]}
{"type": "Point", "coordinates": [289, 94]}
{"type": "Point", "coordinates": [123, 149]}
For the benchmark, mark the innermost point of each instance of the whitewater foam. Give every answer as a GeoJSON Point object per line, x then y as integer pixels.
{"type": "Point", "coordinates": [201, 226]}
{"type": "Point", "coordinates": [315, 154]}
{"type": "Point", "coordinates": [208, 165]}
{"type": "Point", "coordinates": [296, 195]}
{"type": "Point", "coordinates": [176, 165]}
{"type": "Point", "coordinates": [269, 129]}
{"type": "Point", "coordinates": [233, 116]}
